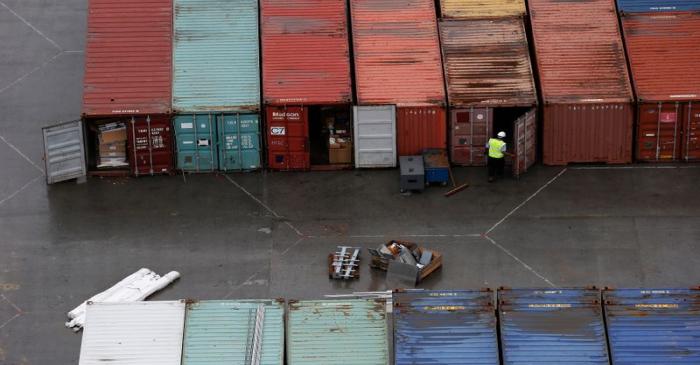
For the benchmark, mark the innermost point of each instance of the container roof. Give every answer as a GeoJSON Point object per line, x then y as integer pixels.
{"type": "Point", "coordinates": [397, 52]}
{"type": "Point", "coordinates": [306, 52]}
{"type": "Point", "coordinates": [481, 8]}
{"type": "Point", "coordinates": [579, 51]}
{"type": "Point", "coordinates": [664, 50]}
{"type": "Point", "coordinates": [641, 6]}
{"type": "Point", "coordinates": [487, 62]}
{"type": "Point", "coordinates": [216, 60]}
{"type": "Point", "coordinates": [128, 57]}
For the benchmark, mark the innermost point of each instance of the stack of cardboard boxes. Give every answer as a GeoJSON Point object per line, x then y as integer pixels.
{"type": "Point", "coordinates": [112, 145]}
{"type": "Point", "coordinates": [339, 150]}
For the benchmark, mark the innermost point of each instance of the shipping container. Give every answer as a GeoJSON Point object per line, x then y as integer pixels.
{"type": "Point", "coordinates": [583, 80]}
{"type": "Point", "coordinates": [482, 9]}
{"type": "Point", "coordinates": [64, 152]}
{"type": "Point", "coordinates": [234, 332]}
{"type": "Point", "coordinates": [397, 53]}
{"type": "Point", "coordinates": [337, 332]}
{"type": "Point", "coordinates": [490, 88]}
{"type": "Point", "coordinates": [306, 52]}
{"type": "Point", "coordinates": [128, 58]}
{"type": "Point", "coordinates": [150, 145]}
{"type": "Point", "coordinates": [375, 136]}
{"type": "Point", "coordinates": [419, 128]}
{"type": "Point", "coordinates": [653, 326]}
{"type": "Point", "coordinates": [662, 50]}
{"type": "Point", "coordinates": [306, 66]}
{"type": "Point", "coordinates": [647, 6]}
{"type": "Point", "coordinates": [216, 56]}
{"type": "Point", "coordinates": [133, 333]}
{"type": "Point", "coordinates": [445, 327]}
{"type": "Point", "coordinates": [552, 326]}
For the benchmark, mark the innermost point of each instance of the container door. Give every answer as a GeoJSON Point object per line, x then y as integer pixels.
{"type": "Point", "coordinates": [150, 145]}
{"type": "Point", "coordinates": [525, 142]}
{"type": "Point", "coordinates": [691, 133]}
{"type": "Point", "coordinates": [375, 136]}
{"type": "Point", "coordinates": [658, 132]}
{"type": "Point", "coordinates": [64, 152]}
{"type": "Point", "coordinates": [470, 131]}
{"type": "Point", "coordinates": [196, 142]}
{"type": "Point", "coordinates": [239, 136]}
{"type": "Point", "coordinates": [288, 138]}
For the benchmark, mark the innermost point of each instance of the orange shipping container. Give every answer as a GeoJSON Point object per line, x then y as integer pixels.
{"type": "Point", "coordinates": [419, 128]}
{"type": "Point", "coordinates": [583, 80]}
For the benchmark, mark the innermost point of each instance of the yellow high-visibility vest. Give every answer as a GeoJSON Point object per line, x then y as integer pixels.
{"type": "Point", "coordinates": [495, 147]}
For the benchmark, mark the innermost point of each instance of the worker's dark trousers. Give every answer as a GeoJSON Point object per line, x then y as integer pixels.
{"type": "Point", "coordinates": [496, 166]}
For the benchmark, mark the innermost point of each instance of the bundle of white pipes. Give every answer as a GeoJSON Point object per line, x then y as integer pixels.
{"type": "Point", "coordinates": [134, 288]}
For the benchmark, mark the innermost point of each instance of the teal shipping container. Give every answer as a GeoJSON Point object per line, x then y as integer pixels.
{"type": "Point", "coordinates": [337, 332]}
{"type": "Point", "coordinates": [234, 332]}
{"type": "Point", "coordinates": [216, 60]}
{"type": "Point", "coordinates": [222, 141]}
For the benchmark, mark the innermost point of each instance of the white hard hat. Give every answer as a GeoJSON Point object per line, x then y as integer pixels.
{"type": "Point", "coordinates": [501, 134]}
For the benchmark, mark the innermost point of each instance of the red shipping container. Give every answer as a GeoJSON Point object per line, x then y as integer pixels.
{"type": "Point", "coordinates": [150, 144]}
{"type": "Point", "coordinates": [471, 129]}
{"type": "Point", "coordinates": [128, 57]}
{"type": "Point", "coordinates": [288, 138]}
{"type": "Point", "coordinates": [397, 53]}
{"type": "Point", "coordinates": [306, 52]}
{"type": "Point", "coordinates": [584, 81]}
{"type": "Point", "coordinates": [663, 49]}
{"type": "Point", "coordinates": [587, 133]}
{"type": "Point", "coordinates": [420, 128]}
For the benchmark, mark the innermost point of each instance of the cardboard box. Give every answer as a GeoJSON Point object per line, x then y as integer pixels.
{"type": "Point", "coordinates": [113, 148]}
{"type": "Point", "coordinates": [340, 155]}
{"type": "Point", "coordinates": [112, 136]}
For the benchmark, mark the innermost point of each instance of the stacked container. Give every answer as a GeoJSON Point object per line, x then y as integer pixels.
{"type": "Point", "coordinates": [448, 327]}
{"type": "Point", "coordinates": [662, 39]}
{"type": "Point", "coordinates": [397, 64]}
{"type": "Point", "coordinates": [128, 84]}
{"type": "Point", "coordinates": [653, 326]}
{"type": "Point", "coordinates": [338, 332]}
{"type": "Point", "coordinates": [307, 86]}
{"type": "Point", "coordinates": [490, 83]}
{"type": "Point", "coordinates": [552, 326]}
{"type": "Point", "coordinates": [584, 82]}
{"type": "Point", "coordinates": [216, 85]}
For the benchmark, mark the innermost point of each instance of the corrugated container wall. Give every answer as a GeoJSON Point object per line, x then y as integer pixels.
{"type": "Point", "coordinates": [643, 6]}
{"type": "Point", "coordinates": [552, 326]}
{"type": "Point", "coordinates": [481, 8]}
{"type": "Point", "coordinates": [445, 327]}
{"type": "Point", "coordinates": [216, 56]}
{"type": "Point", "coordinates": [419, 128]}
{"type": "Point", "coordinates": [128, 57]}
{"type": "Point", "coordinates": [397, 53]}
{"type": "Point", "coordinates": [653, 326]}
{"type": "Point", "coordinates": [337, 332]}
{"type": "Point", "coordinates": [487, 63]}
{"type": "Point", "coordinates": [306, 52]}
{"type": "Point", "coordinates": [583, 80]}
{"type": "Point", "coordinates": [233, 332]}
{"type": "Point", "coordinates": [133, 333]}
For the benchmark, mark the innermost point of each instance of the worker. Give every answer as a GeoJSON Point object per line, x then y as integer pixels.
{"type": "Point", "coordinates": [496, 152]}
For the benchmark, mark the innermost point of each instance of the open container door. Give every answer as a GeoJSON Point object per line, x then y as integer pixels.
{"type": "Point", "coordinates": [525, 142]}
{"type": "Point", "coordinates": [375, 136]}
{"type": "Point", "coordinates": [64, 152]}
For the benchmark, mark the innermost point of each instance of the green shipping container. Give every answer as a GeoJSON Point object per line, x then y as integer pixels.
{"type": "Point", "coordinates": [337, 332]}
{"type": "Point", "coordinates": [239, 141]}
{"type": "Point", "coordinates": [234, 332]}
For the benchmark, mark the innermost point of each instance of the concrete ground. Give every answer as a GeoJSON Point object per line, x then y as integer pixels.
{"type": "Point", "coordinates": [264, 235]}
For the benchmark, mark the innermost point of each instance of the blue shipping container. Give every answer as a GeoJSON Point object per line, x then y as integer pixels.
{"type": "Point", "coordinates": [653, 326]}
{"type": "Point", "coordinates": [552, 326]}
{"type": "Point", "coordinates": [445, 327]}
{"type": "Point", "coordinates": [234, 332]}
{"type": "Point", "coordinates": [652, 6]}
{"type": "Point", "coordinates": [196, 137]}
{"type": "Point", "coordinates": [216, 56]}
{"type": "Point", "coordinates": [239, 141]}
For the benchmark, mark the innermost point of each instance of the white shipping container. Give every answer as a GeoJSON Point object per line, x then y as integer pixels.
{"type": "Point", "coordinates": [137, 333]}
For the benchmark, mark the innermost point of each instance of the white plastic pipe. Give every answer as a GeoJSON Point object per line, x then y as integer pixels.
{"type": "Point", "coordinates": [115, 288]}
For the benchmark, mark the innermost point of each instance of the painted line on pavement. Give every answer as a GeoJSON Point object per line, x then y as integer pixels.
{"type": "Point", "coordinates": [9, 197]}
{"type": "Point", "coordinates": [516, 258]}
{"type": "Point", "coordinates": [25, 21]}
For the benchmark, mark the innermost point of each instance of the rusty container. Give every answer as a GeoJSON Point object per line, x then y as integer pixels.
{"type": "Point", "coordinates": [128, 58]}
{"type": "Point", "coordinates": [663, 50]}
{"type": "Point", "coordinates": [306, 52]}
{"type": "Point", "coordinates": [584, 82]}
